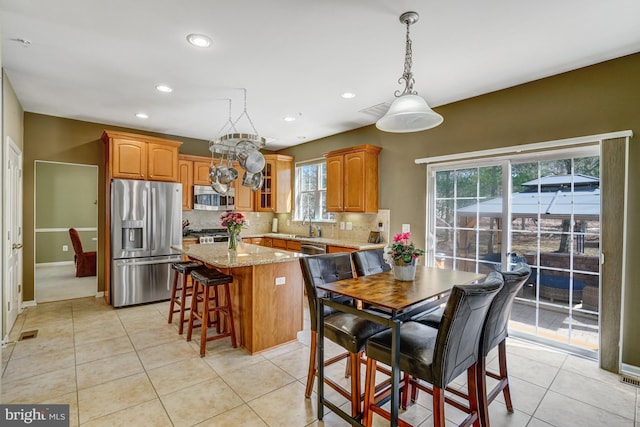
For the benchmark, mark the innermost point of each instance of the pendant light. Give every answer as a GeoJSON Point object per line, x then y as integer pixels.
{"type": "Point", "coordinates": [409, 112]}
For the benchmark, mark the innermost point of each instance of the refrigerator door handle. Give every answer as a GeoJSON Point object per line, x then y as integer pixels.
{"type": "Point", "coordinates": [152, 219]}
{"type": "Point", "coordinates": [135, 262]}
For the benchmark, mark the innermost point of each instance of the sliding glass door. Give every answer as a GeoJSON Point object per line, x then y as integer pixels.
{"type": "Point", "coordinates": [544, 211]}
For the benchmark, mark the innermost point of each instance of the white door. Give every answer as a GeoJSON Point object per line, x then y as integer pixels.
{"type": "Point", "coordinates": [13, 203]}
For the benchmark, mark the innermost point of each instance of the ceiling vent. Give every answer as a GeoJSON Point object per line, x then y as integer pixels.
{"type": "Point", "coordinates": [378, 110]}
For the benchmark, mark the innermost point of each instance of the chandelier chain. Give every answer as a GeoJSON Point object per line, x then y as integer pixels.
{"type": "Point", "coordinates": [407, 75]}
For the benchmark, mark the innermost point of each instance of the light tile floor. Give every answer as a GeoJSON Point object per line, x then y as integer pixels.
{"type": "Point", "coordinates": [129, 367]}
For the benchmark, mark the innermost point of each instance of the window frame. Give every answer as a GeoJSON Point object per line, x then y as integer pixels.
{"type": "Point", "coordinates": [320, 215]}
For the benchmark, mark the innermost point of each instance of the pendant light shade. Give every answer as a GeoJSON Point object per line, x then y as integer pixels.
{"type": "Point", "coordinates": [409, 112]}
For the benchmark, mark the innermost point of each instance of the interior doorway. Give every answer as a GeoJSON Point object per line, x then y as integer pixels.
{"type": "Point", "coordinates": [66, 196]}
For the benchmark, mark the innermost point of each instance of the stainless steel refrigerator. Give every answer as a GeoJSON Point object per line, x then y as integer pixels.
{"type": "Point", "coordinates": [146, 219]}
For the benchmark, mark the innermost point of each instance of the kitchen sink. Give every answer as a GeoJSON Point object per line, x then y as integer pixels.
{"type": "Point", "coordinates": [300, 236]}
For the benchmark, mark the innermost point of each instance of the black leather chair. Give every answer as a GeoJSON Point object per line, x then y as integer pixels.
{"type": "Point", "coordinates": [346, 330]}
{"type": "Point", "coordinates": [369, 261]}
{"type": "Point", "coordinates": [437, 356]}
{"type": "Point", "coordinates": [494, 334]}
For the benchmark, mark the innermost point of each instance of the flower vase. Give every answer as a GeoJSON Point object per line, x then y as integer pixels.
{"type": "Point", "coordinates": [405, 272]}
{"type": "Point", "coordinates": [233, 241]}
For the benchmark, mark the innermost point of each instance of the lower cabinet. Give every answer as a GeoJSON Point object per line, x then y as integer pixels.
{"type": "Point", "coordinates": [335, 249]}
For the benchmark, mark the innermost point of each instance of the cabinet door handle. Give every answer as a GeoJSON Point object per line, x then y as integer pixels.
{"type": "Point", "coordinates": [16, 246]}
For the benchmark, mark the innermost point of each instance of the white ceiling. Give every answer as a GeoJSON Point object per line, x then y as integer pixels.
{"type": "Point", "coordinates": [100, 61]}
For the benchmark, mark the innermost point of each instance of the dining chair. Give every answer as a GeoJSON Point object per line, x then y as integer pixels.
{"type": "Point", "coordinates": [348, 331]}
{"type": "Point", "coordinates": [369, 261]}
{"type": "Point", "coordinates": [437, 356]}
{"type": "Point", "coordinates": [85, 261]}
{"type": "Point", "coordinates": [494, 334]}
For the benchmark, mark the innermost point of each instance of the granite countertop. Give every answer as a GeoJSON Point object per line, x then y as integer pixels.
{"type": "Point", "coordinates": [322, 240]}
{"type": "Point", "coordinates": [218, 255]}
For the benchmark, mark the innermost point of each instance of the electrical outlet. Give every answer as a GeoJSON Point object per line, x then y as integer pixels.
{"type": "Point", "coordinates": [380, 227]}
{"type": "Point", "coordinates": [341, 225]}
{"type": "Point", "coordinates": [406, 228]}
{"type": "Point", "coordinates": [349, 226]}
{"type": "Point", "coordinates": [65, 248]}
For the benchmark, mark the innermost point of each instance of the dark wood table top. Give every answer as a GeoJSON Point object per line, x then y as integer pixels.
{"type": "Point", "coordinates": [383, 290]}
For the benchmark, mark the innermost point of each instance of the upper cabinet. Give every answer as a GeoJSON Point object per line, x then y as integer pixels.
{"type": "Point", "coordinates": [132, 156]}
{"type": "Point", "coordinates": [276, 192]}
{"type": "Point", "coordinates": [352, 179]}
{"type": "Point", "coordinates": [185, 175]}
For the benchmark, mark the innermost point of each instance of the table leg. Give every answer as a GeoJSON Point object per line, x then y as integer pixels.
{"type": "Point", "coordinates": [395, 371]}
{"type": "Point", "coordinates": [320, 357]}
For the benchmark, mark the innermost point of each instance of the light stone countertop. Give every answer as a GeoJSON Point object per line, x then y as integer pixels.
{"type": "Point", "coordinates": [218, 255]}
{"type": "Point", "coordinates": [322, 240]}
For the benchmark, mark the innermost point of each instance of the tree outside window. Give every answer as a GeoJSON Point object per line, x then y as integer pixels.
{"type": "Point", "coordinates": [311, 191]}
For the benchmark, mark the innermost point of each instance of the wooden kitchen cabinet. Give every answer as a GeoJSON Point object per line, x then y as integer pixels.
{"type": "Point", "coordinates": [279, 243]}
{"type": "Point", "coordinates": [201, 170]}
{"type": "Point", "coordinates": [185, 174]}
{"type": "Point", "coordinates": [276, 192]}
{"type": "Point", "coordinates": [352, 179]}
{"type": "Point", "coordinates": [331, 249]}
{"type": "Point", "coordinates": [131, 156]}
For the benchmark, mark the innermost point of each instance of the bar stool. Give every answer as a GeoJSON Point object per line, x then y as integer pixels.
{"type": "Point", "coordinates": [204, 282]}
{"type": "Point", "coordinates": [181, 268]}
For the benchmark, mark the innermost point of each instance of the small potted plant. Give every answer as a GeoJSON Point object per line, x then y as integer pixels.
{"type": "Point", "coordinates": [404, 255]}
{"type": "Point", "coordinates": [234, 222]}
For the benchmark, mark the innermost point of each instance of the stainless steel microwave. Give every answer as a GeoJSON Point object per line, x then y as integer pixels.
{"type": "Point", "coordinates": [206, 199]}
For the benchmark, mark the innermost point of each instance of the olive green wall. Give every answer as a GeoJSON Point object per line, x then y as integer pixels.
{"type": "Point", "coordinates": [66, 196]}
{"type": "Point", "coordinates": [56, 139]}
{"type": "Point", "coordinates": [593, 100]}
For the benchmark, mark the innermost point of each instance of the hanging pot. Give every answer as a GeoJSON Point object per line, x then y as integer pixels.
{"type": "Point", "coordinates": [251, 160]}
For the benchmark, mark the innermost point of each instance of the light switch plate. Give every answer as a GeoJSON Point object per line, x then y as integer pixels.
{"type": "Point", "coordinates": [341, 225]}
{"type": "Point", "coordinates": [349, 226]}
{"type": "Point", "coordinates": [406, 228]}
{"type": "Point", "coordinates": [281, 281]}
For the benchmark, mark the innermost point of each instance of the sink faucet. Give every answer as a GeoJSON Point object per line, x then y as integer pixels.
{"type": "Point", "coordinates": [310, 218]}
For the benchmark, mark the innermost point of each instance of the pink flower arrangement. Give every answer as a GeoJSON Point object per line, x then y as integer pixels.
{"type": "Point", "coordinates": [403, 250]}
{"type": "Point", "coordinates": [233, 221]}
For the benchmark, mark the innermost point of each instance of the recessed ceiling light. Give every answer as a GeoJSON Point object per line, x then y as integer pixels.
{"type": "Point", "coordinates": [164, 88]}
{"type": "Point", "coordinates": [289, 119]}
{"type": "Point", "coordinates": [142, 115]}
{"type": "Point", "coordinates": [199, 40]}
{"type": "Point", "coordinates": [302, 137]}
{"type": "Point", "coordinates": [348, 95]}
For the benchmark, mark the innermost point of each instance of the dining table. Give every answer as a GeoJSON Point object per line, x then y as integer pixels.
{"type": "Point", "coordinates": [390, 302]}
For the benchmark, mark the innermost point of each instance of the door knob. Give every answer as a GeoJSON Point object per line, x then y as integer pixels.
{"type": "Point", "coordinates": [16, 246]}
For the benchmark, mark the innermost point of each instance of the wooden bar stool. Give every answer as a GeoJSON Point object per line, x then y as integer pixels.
{"type": "Point", "coordinates": [204, 282]}
{"type": "Point", "coordinates": [180, 300]}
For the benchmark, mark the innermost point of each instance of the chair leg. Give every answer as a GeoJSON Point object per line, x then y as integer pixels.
{"type": "Point", "coordinates": [438, 407]}
{"type": "Point", "coordinates": [369, 392]}
{"type": "Point", "coordinates": [232, 328]}
{"type": "Point", "coordinates": [504, 375]}
{"type": "Point", "coordinates": [174, 286]}
{"type": "Point", "coordinates": [311, 375]}
{"type": "Point", "coordinates": [481, 387]}
{"type": "Point", "coordinates": [183, 303]}
{"type": "Point", "coordinates": [472, 393]}
{"type": "Point", "coordinates": [354, 361]}
{"type": "Point", "coordinates": [205, 321]}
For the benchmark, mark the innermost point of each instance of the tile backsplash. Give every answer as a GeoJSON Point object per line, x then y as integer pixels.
{"type": "Point", "coordinates": [260, 222]}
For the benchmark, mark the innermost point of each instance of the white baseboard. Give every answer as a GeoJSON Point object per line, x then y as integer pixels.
{"type": "Point", "coordinates": [31, 303]}
{"type": "Point", "coordinates": [100, 294]}
{"type": "Point", "coordinates": [54, 264]}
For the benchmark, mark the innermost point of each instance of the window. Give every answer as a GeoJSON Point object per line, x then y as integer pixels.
{"type": "Point", "coordinates": [311, 191]}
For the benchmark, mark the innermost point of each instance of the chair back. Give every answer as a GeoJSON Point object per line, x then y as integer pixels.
{"type": "Point", "coordinates": [75, 241]}
{"type": "Point", "coordinates": [496, 326]}
{"type": "Point", "coordinates": [370, 261]}
{"type": "Point", "coordinates": [458, 338]}
{"type": "Point", "coordinates": [320, 269]}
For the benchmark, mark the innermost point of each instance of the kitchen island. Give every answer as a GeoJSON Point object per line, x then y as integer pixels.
{"type": "Point", "coordinates": [266, 291]}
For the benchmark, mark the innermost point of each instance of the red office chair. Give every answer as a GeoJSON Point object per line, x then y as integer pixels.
{"type": "Point", "coordinates": [85, 261]}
